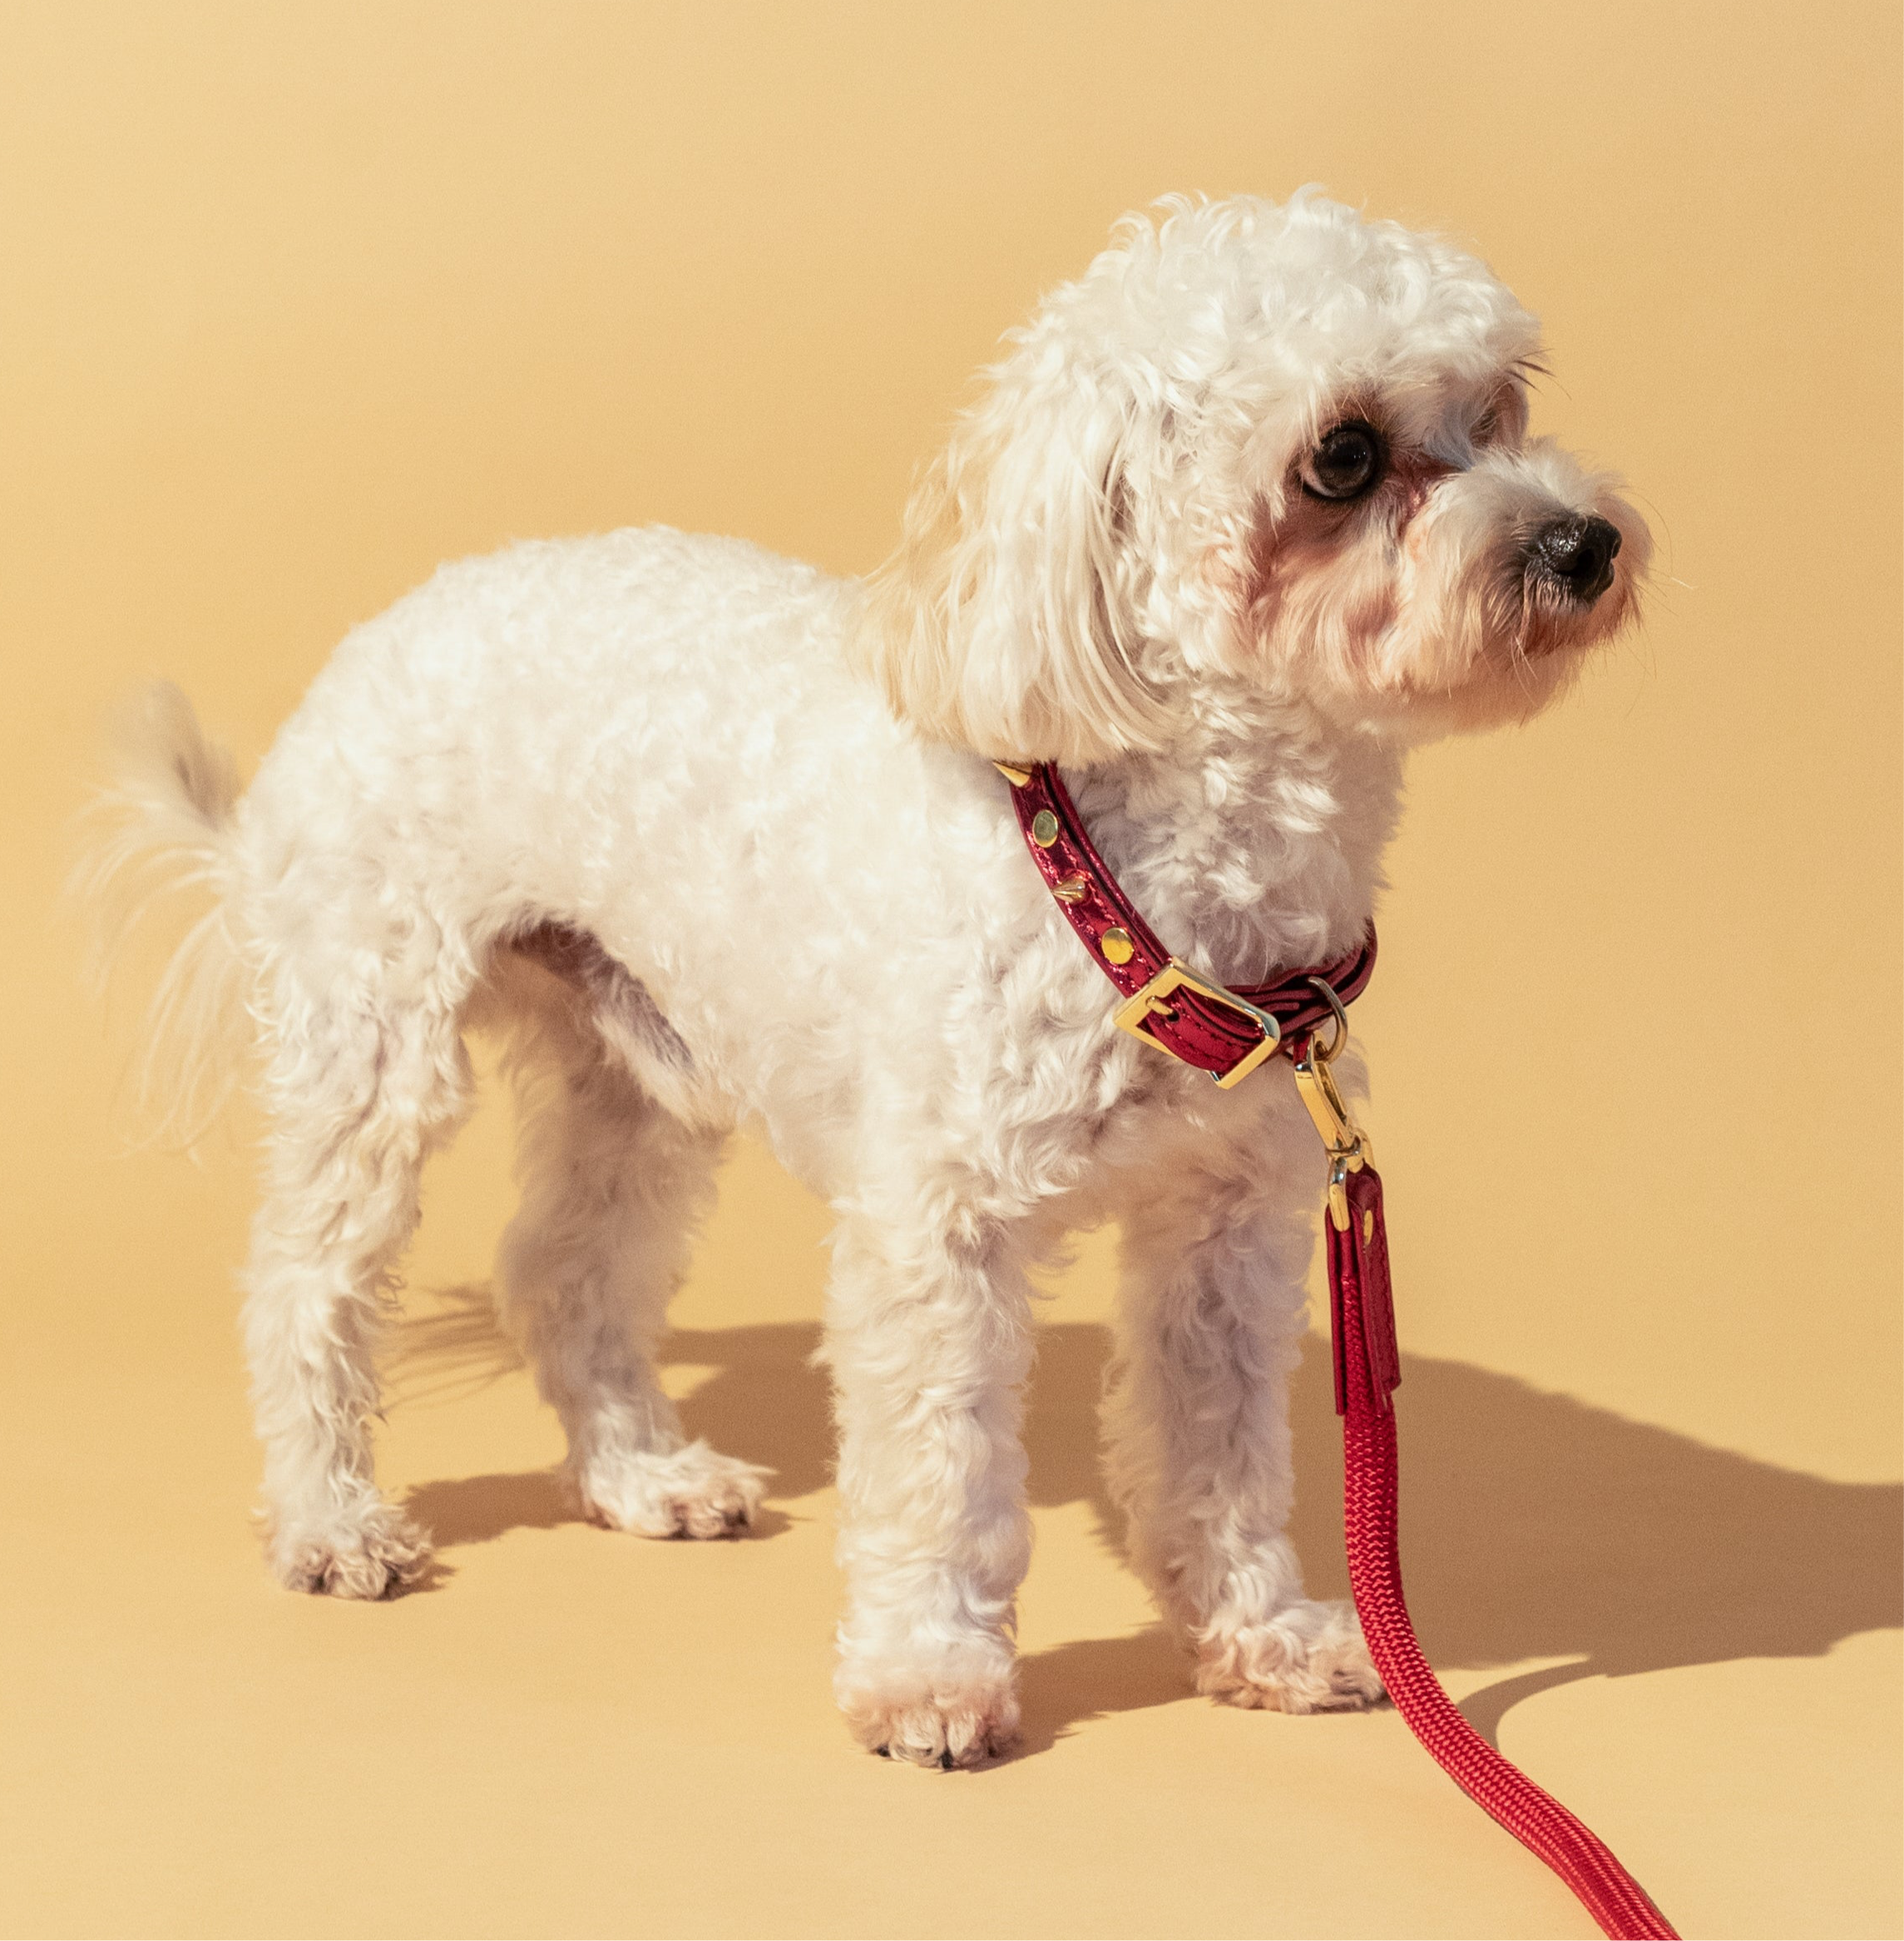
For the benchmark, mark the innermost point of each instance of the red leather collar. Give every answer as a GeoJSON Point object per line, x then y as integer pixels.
{"type": "Point", "coordinates": [1226, 1033]}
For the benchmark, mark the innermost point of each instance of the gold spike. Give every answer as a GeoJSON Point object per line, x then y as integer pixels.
{"type": "Point", "coordinates": [1073, 888]}
{"type": "Point", "coordinates": [1017, 773]}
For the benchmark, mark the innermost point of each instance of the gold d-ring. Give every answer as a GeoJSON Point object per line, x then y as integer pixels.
{"type": "Point", "coordinates": [1341, 1038]}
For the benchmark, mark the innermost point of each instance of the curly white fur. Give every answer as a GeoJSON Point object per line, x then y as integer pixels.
{"type": "Point", "coordinates": [717, 839]}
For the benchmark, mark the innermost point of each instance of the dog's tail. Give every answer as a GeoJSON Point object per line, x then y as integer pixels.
{"type": "Point", "coordinates": [165, 843]}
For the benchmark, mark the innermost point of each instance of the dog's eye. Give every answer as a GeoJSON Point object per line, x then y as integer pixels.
{"type": "Point", "coordinates": [1345, 464]}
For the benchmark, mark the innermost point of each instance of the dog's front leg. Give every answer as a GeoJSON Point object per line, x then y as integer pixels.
{"type": "Point", "coordinates": [1197, 1427]}
{"type": "Point", "coordinates": [929, 1341]}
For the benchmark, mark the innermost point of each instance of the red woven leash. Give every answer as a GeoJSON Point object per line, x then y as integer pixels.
{"type": "Point", "coordinates": [1227, 1034]}
{"type": "Point", "coordinates": [1366, 1370]}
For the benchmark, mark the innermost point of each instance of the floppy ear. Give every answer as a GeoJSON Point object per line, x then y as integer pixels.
{"type": "Point", "coordinates": [1004, 620]}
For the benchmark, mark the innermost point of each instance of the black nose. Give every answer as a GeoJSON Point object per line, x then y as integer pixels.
{"type": "Point", "coordinates": [1576, 553]}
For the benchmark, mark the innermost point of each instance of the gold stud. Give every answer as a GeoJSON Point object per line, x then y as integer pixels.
{"type": "Point", "coordinates": [1367, 1225]}
{"type": "Point", "coordinates": [1044, 828]}
{"type": "Point", "coordinates": [1116, 945]}
{"type": "Point", "coordinates": [1073, 888]}
{"type": "Point", "coordinates": [1017, 773]}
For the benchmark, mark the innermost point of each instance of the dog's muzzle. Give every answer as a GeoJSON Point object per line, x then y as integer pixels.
{"type": "Point", "coordinates": [1575, 555]}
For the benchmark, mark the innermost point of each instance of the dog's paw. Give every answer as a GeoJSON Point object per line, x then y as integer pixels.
{"type": "Point", "coordinates": [1308, 1657]}
{"type": "Point", "coordinates": [374, 1554]}
{"type": "Point", "coordinates": [691, 1492]}
{"type": "Point", "coordinates": [959, 1714]}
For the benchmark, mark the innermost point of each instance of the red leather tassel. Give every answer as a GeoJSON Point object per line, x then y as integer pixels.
{"type": "Point", "coordinates": [1366, 1355]}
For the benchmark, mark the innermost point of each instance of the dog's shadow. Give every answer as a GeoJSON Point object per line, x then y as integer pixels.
{"type": "Point", "coordinates": [1534, 1526]}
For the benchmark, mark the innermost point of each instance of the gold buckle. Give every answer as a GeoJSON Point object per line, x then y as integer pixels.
{"type": "Point", "coordinates": [1176, 976]}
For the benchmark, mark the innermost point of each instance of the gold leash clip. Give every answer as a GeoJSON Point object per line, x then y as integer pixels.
{"type": "Point", "coordinates": [1347, 1144]}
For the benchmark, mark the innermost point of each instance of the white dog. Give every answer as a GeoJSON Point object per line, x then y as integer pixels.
{"type": "Point", "coordinates": [1247, 510]}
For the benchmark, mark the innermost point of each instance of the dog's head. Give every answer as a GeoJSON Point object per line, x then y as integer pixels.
{"type": "Point", "coordinates": [1254, 450]}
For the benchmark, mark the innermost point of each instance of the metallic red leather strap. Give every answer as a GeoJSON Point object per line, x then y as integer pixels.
{"type": "Point", "coordinates": [1217, 1034]}
{"type": "Point", "coordinates": [1367, 1370]}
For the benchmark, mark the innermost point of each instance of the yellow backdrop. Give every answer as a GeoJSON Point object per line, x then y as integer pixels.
{"type": "Point", "coordinates": [299, 300]}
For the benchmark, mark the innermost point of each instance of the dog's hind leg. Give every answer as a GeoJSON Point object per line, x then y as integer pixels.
{"type": "Point", "coordinates": [362, 1081]}
{"type": "Point", "coordinates": [613, 1189]}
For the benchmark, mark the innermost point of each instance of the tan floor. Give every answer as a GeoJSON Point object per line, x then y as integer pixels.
{"type": "Point", "coordinates": [572, 1732]}
{"type": "Point", "coordinates": [298, 301]}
